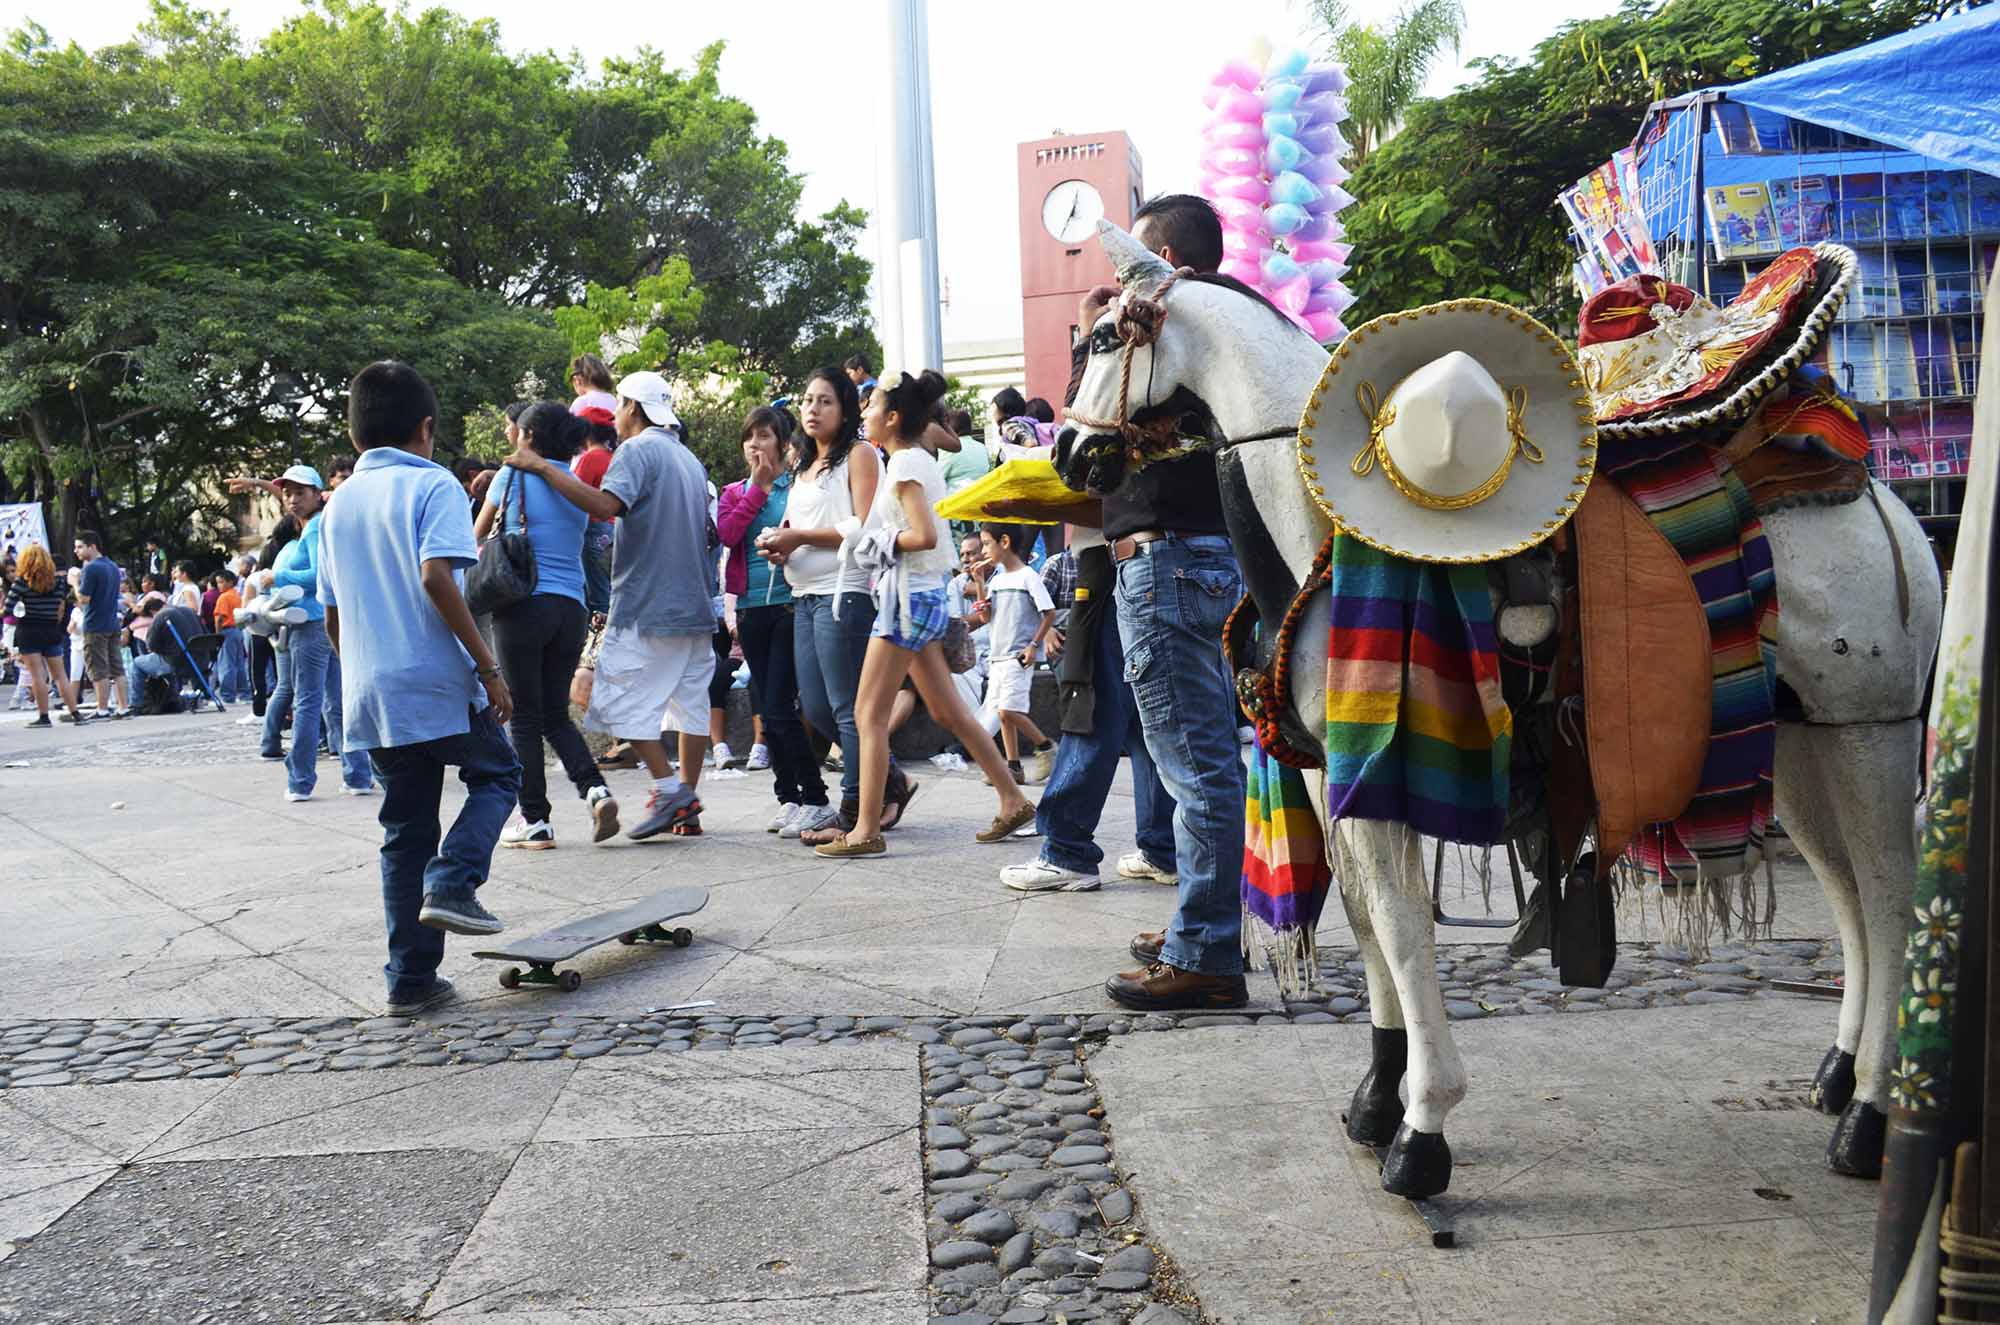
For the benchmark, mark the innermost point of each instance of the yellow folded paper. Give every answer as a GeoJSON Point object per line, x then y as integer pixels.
{"type": "Point", "coordinates": [1017, 480]}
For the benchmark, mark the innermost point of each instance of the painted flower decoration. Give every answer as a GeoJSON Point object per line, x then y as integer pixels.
{"type": "Point", "coordinates": [1911, 1087]}
{"type": "Point", "coordinates": [1929, 991]}
{"type": "Point", "coordinates": [1937, 928]}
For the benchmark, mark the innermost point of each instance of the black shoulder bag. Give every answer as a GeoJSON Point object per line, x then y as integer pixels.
{"type": "Point", "coordinates": [506, 572]}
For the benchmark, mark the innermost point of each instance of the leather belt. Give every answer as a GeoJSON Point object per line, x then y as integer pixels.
{"type": "Point", "coordinates": [1128, 547]}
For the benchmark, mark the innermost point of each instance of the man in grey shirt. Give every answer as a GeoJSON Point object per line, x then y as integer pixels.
{"type": "Point", "coordinates": [656, 661]}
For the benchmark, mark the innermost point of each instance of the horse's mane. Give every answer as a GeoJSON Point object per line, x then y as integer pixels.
{"type": "Point", "coordinates": [1216, 278]}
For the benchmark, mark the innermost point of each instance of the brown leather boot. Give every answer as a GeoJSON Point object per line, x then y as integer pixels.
{"type": "Point", "coordinates": [1160, 987]}
{"type": "Point", "coordinates": [1147, 947]}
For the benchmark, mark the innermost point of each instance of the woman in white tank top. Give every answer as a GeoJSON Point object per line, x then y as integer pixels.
{"type": "Point", "coordinates": [835, 475]}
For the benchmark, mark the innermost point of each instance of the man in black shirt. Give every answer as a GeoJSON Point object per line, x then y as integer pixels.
{"type": "Point", "coordinates": [1176, 581]}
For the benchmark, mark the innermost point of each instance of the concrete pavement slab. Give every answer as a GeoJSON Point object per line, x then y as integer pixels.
{"type": "Point", "coordinates": [670, 1220]}
{"type": "Point", "coordinates": [33, 1196]}
{"type": "Point", "coordinates": [90, 1125]}
{"type": "Point", "coordinates": [306, 1238]}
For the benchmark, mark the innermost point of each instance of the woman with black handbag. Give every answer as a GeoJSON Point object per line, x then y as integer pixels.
{"type": "Point", "coordinates": [531, 578]}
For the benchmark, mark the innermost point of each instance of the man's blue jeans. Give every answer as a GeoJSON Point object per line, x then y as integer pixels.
{"type": "Point", "coordinates": [232, 666]}
{"type": "Point", "coordinates": [1086, 765]}
{"type": "Point", "coordinates": [1173, 598]}
{"type": "Point", "coordinates": [142, 666]}
{"type": "Point", "coordinates": [309, 683]}
{"type": "Point", "coordinates": [413, 864]}
{"type": "Point", "coordinates": [597, 566]}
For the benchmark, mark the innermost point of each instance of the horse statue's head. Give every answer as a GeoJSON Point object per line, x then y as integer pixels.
{"type": "Point", "coordinates": [1179, 357]}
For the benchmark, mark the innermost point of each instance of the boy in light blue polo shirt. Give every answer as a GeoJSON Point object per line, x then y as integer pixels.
{"type": "Point", "coordinates": [423, 691]}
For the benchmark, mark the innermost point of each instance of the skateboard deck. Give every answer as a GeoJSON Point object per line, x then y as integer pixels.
{"type": "Point", "coordinates": [641, 922]}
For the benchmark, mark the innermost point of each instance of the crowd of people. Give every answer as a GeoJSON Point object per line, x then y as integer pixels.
{"type": "Point", "coordinates": [434, 618]}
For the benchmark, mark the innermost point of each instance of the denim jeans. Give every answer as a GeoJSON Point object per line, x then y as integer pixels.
{"type": "Point", "coordinates": [768, 637]}
{"type": "Point", "coordinates": [597, 566]}
{"type": "Point", "coordinates": [1173, 598]}
{"type": "Point", "coordinates": [829, 655]}
{"type": "Point", "coordinates": [540, 638]}
{"type": "Point", "coordinates": [1086, 765]}
{"type": "Point", "coordinates": [413, 864]}
{"type": "Point", "coordinates": [232, 666]}
{"type": "Point", "coordinates": [309, 684]}
{"type": "Point", "coordinates": [142, 666]}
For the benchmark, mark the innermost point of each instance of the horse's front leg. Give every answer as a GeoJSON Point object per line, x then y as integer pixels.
{"type": "Point", "coordinates": [1376, 1111]}
{"type": "Point", "coordinates": [1385, 861]}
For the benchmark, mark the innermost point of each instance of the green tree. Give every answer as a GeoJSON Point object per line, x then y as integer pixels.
{"type": "Point", "coordinates": [1461, 201]}
{"type": "Point", "coordinates": [1386, 67]}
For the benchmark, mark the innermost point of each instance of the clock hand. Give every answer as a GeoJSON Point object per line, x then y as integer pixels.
{"type": "Point", "coordinates": [1074, 200]}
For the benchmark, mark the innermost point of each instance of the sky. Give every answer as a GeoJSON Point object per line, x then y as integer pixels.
{"type": "Point", "coordinates": [999, 76]}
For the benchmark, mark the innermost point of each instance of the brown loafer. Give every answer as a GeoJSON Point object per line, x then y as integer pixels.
{"type": "Point", "coordinates": [1162, 988]}
{"type": "Point", "coordinates": [1147, 946]}
{"type": "Point", "coordinates": [844, 846]}
{"type": "Point", "coordinates": [1005, 825]}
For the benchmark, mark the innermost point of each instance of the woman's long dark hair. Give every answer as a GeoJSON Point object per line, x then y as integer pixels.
{"type": "Point", "coordinates": [845, 436]}
{"type": "Point", "coordinates": [783, 427]}
{"type": "Point", "coordinates": [554, 432]}
{"type": "Point", "coordinates": [914, 401]}
{"type": "Point", "coordinates": [285, 531]}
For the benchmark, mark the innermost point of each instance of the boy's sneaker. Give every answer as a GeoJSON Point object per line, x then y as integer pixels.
{"type": "Point", "coordinates": [368, 790]}
{"type": "Point", "coordinates": [298, 795]}
{"type": "Point", "coordinates": [603, 812]}
{"type": "Point", "coordinates": [459, 913]}
{"type": "Point", "coordinates": [786, 813]}
{"type": "Point", "coordinates": [726, 757]}
{"type": "Point", "coordinates": [441, 991]}
{"type": "Point", "coordinates": [525, 836]}
{"type": "Point", "coordinates": [1039, 876]}
{"type": "Point", "coordinates": [664, 811]}
{"type": "Point", "coordinates": [760, 758]}
{"type": "Point", "coordinates": [810, 819]}
{"type": "Point", "coordinates": [1041, 763]}
{"type": "Point", "coordinates": [42, 721]}
{"type": "Point", "coordinates": [266, 754]}
{"type": "Point", "coordinates": [1134, 865]}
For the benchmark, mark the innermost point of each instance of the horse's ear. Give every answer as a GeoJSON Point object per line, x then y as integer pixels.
{"type": "Point", "coordinates": [1140, 270]}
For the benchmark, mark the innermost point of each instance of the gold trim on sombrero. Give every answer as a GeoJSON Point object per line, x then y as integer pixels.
{"type": "Point", "coordinates": [1586, 419]}
{"type": "Point", "coordinates": [1375, 450]}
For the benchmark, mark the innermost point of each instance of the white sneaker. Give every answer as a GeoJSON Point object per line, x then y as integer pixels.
{"type": "Point", "coordinates": [528, 836]}
{"type": "Point", "coordinates": [298, 795]}
{"type": "Point", "coordinates": [1134, 865]}
{"type": "Point", "coordinates": [760, 759]}
{"type": "Point", "coordinates": [809, 819]}
{"type": "Point", "coordinates": [786, 813]}
{"type": "Point", "coordinates": [369, 790]}
{"type": "Point", "coordinates": [603, 812]}
{"type": "Point", "coordinates": [1038, 876]}
{"type": "Point", "coordinates": [249, 719]}
{"type": "Point", "coordinates": [717, 756]}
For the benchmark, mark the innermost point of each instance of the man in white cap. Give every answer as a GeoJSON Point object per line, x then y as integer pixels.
{"type": "Point", "coordinates": [656, 662]}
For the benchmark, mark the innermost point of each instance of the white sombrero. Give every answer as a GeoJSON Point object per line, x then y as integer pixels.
{"type": "Point", "coordinates": [1456, 432]}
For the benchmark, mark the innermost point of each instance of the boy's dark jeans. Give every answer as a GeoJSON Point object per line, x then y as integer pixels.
{"type": "Point", "coordinates": [413, 864]}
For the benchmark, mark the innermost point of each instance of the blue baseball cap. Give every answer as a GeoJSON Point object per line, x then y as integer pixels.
{"type": "Point", "coordinates": [305, 475]}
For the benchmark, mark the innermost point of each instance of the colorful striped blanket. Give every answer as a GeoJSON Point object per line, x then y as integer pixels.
{"type": "Point", "coordinates": [1696, 500]}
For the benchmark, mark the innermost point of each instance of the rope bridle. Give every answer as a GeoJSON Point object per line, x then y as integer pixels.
{"type": "Point", "coordinates": [1140, 319]}
{"type": "Point", "coordinates": [1264, 695]}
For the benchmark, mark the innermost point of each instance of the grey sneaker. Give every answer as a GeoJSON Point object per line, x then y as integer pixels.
{"type": "Point", "coordinates": [663, 812]}
{"type": "Point", "coordinates": [441, 991]}
{"type": "Point", "coordinates": [810, 819]}
{"type": "Point", "coordinates": [460, 914]}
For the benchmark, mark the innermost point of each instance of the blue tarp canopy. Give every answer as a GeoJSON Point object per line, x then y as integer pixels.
{"type": "Point", "coordinates": [1934, 90]}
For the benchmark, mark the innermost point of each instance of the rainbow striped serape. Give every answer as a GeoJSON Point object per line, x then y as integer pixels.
{"type": "Point", "coordinates": [1285, 873]}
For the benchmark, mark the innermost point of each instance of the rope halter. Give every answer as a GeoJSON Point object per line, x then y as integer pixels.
{"type": "Point", "coordinates": [1140, 319]}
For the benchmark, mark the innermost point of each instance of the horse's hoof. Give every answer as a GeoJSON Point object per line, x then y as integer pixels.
{"type": "Point", "coordinates": [1377, 1108]}
{"type": "Point", "coordinates": [1833, 1084]}
{"type": "Point", "coordinates": [1858, 1138]}
{"type": "Point", "coordinates": [1418, 1164]}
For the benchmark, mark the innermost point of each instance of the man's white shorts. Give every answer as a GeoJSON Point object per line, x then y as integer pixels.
{"type": "Point", "coordinates": [1008, 685]}
{"type": "Point", "coordinates": [647, 684]}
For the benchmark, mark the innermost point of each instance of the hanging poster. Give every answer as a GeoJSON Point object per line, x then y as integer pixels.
{"type": "Point", "coordinates": [1740, 223]}
{"type": "Point", "coordinates": [1604, 212]}
{"type": "Point", "coordinates": [21, 525]}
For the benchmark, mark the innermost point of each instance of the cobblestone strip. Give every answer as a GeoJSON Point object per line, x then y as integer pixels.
{"type": "Point", "coordinates": [1478, 982]}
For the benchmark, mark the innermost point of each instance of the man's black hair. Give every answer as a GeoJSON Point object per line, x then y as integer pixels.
{"type": "Point", "coordinates": [387, 402]}
{"type": "Point", "coordinates": [1188, 225]}
{"type": "Point", "coordinates": [340, 464]}
{"type": "Point", "coordinates": [1040, 410]}
{"type": "Point", "coordinates": [226, 575]}
{"type": "Point", "coordinates": [90, 538]}
{"type": "Point", "coordinates": [1018, 536]}
{"type": "Point", "coordinates": [859, 361]}
{"type": "Point", "coordinates": [1011, 403]}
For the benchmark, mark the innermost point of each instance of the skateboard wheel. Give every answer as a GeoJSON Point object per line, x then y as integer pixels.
{"type": "Point", "coordinates": [510, 978]}
{"type": "Point", "coordinates": [683, 937]}
{"type": "Point", "coordinates": [570, 981]}
{"type": "Point", "coordinates": [629, 937]}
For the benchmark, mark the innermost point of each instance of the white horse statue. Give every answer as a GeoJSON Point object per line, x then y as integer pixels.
{"type": "Point", "coordinates": [1854, 644]}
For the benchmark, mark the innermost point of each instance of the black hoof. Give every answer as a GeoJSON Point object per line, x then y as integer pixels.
{"type": "Point", "coordinates": [1417, 1166]}
{"type": "Point", "coordinates": [1858, 1138]}
{"type": "Point", "coordinates": [1833, 1085]}
{"type": "Point", "coordinates": [1377, 1109]}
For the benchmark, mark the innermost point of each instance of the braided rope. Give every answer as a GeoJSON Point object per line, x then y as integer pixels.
{"type": "Point", "coordinates": [1139, 322]}
{"type": "Point", "coordinates": [1262, 697]}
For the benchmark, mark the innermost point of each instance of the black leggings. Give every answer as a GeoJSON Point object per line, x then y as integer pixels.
{"type": "Point", "coordinates": [539, 640]}
{"type": "Point", "coordinates": [766, 633]}
{"type": "Point", "coordinates": [724, 680]}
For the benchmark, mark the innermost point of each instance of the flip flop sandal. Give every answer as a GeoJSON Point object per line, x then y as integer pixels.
{"type": "Point", "coordinates": [1005, 824]}
{"type": "Point", "coordinates": [843, 846]}
{"type": "Point", "coordinates": [626, 758]}
{"type": "Point", "coordinates": [901, 804]}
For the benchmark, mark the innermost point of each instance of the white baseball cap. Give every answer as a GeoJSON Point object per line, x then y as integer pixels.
{"type": "Point", "coordinates": [303, 474]}
{"type": "Point", "coordinates": [653, 395]}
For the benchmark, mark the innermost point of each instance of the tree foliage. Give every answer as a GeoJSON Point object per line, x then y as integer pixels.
{"type": "Point", "coordinates": [1386, 67]}
{"type": "Point", "coordinates": [190, 221]}
{"type": "Point", "coordinates": [1461, 201]}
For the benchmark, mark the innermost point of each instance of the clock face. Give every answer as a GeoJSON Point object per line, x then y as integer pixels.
{"type": "Point", "coordinates": [1072, 210]}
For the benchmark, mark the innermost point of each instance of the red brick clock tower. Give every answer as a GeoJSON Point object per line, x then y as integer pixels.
{"type": "Point", "coordinates": [1068, 183]}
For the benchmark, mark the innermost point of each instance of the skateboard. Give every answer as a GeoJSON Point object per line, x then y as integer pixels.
{"type": "Point", "coordinates": [641, 922]}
